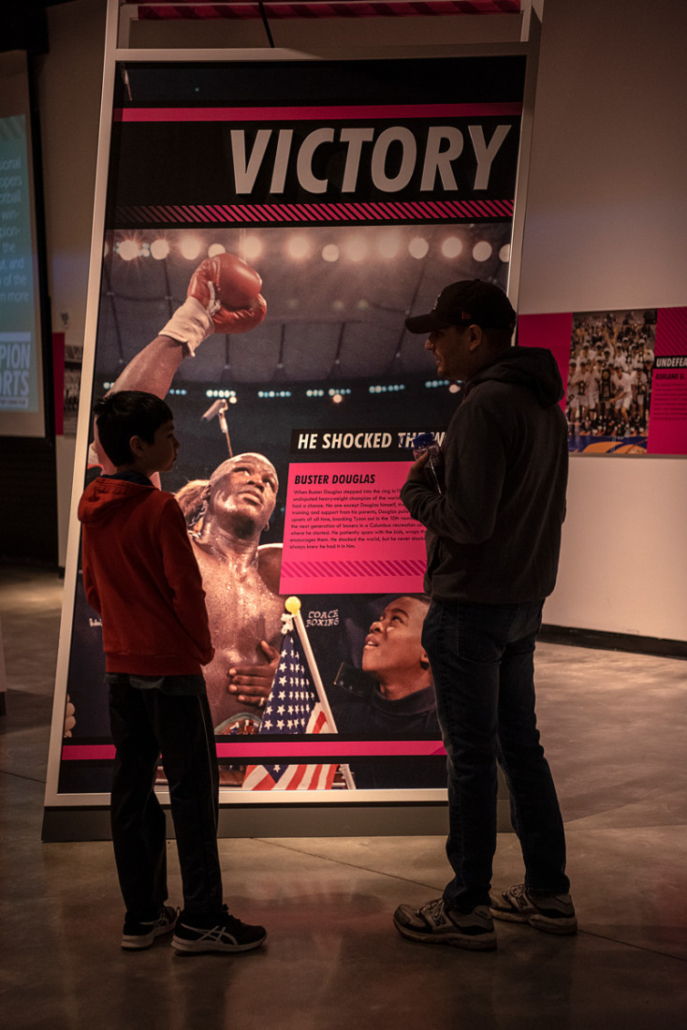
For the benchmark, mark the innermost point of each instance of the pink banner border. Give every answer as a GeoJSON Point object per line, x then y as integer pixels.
{"type": "Point", "coordinates": [284, 749]}
{"type": "Point", "coordinates": [287, 114]}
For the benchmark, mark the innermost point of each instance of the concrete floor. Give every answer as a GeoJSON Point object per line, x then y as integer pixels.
{"type": "Point", "coordinates": [615, 729]}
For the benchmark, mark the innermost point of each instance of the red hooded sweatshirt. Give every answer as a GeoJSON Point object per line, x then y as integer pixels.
{"type": "Point", "coordinates": [141, 576]}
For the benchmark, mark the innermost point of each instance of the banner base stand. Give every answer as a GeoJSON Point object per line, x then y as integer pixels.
{"type": "Point", "coordinates": [374, 820]}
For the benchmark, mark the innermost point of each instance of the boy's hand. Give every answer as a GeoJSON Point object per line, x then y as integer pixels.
{"type": "Point", "coordinates": [251, 684]}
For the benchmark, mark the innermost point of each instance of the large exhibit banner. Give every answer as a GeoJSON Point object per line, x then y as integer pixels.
{"type": "Point", "coordinates": [625, 374]}
{"type": "Point", "coordinates": [306, 208]}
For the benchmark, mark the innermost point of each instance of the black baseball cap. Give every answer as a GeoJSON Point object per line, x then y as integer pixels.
{"type": "Point", "coordinates": [470, 301]}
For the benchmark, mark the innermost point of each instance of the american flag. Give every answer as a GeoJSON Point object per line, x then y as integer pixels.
{"type": "Point", "coordinates": [292, 707]}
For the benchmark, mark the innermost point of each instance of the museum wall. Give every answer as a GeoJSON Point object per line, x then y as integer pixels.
{"type": "Point", "coordinates": [604, 229]}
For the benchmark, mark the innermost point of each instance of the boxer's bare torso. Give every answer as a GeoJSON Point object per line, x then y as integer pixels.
{"type": "Point", "coordinates": [244, 608]}
{"type": "Point", "coordinates": [241, 583]}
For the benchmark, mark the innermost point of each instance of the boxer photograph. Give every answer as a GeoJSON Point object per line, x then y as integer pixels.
{"type": "Point", "coordinates": [255, 336]}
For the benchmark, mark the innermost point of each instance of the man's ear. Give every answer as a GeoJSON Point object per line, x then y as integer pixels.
{"type": "Point", "coordinates": [475, 336]}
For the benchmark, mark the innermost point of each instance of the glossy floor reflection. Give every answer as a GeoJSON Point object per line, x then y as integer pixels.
{"type": "Point", "coordinates": [615, 729]}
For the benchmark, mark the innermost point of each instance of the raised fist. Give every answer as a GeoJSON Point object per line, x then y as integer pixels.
{"type": "Point", "coordinates": [223, 297]}
{"type": "Point", "coordinates": [240, 320]}
{"type": "Point", "coordinates": [225, 279]}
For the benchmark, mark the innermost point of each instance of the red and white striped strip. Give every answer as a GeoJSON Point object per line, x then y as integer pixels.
{"type": "Point", "coordinates": [296, 777]}
{"type": "Point", "coordinates": [288, 214]}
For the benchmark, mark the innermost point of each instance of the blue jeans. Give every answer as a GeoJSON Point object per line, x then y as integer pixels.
{"type": "Point", "coordinates": [482, 660]}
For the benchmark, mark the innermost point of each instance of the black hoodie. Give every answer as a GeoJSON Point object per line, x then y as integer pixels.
{"type": "Point", "coordinates": [493, 535]}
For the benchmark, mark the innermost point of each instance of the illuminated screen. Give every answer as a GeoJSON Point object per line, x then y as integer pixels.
{"type": "Point", "coordinates": [21, 391]}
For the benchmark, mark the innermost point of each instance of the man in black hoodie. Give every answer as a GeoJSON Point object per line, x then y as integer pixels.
{"type": "Point", "coordinates": [493, 517]}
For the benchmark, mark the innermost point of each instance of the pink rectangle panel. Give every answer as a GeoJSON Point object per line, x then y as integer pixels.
{"type": "Point", "coordinates": [553, 331]}
{"type": "Point", "coordinates": [668, 408]}
{"type": "Point", "coordinates": [346, 530]}
{"type": "Point", "coordinates": [266, 749]}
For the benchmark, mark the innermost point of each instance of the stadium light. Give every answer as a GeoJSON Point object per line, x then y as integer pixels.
{"type": "Point", "coordinates": [190, 247]}
{"type": "Point", "coordinates": [482, 251]}
{"type": "Point", "coordinates": [451, 247]}
{"type": "Point", "coordinates": [356, 248]}
{"type": "Point", "coordinates": [389, 243]}
{"type": "Point", "coordinates": [298, 247]}
{"type": "Point", "coordinates": [159, 249]}
{"type": "Point", "coordinates": [252, 248]}
{"type": "Point", "coordinates": [418, 247]}
{"type": "Point", "coordinates": [216, 248]}
{"type": "Point", "coordinates": [129, 249]}
{"type": "Point", "coordinates": [330, 252]}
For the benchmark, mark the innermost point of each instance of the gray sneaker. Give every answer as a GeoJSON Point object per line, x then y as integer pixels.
{"type": "Point", "coordinates": [434, 923]}
{"type": "Point", "coordinates": [552, 913]}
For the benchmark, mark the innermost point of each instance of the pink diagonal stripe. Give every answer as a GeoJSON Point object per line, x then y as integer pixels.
{"type": "Point", "coordinates": [200, 213]}
{"type": "Point", "coordinates": [381, 208]}
{"type": "Point", "coordinates": [266, 213]}
{"type": "Point", "coordinates": [210, 211]}
{"type": "Point", "coordinates": [313, 211]}
{"type": "Point", "coordinates": [408, 210]}
{"type": "Point", "coordinates": [320, 569]}
{"type": "Point", "coordinates": [486, 207]}
{"type": "Point", "coordinates": [404, 568]}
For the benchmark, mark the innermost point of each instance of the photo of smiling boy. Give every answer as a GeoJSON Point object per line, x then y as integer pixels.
{"type": "Point", "coordinates": [399, 703]}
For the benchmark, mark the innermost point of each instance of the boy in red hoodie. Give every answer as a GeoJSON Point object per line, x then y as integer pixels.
{"type": "Point", "coordinates": [141, 576]}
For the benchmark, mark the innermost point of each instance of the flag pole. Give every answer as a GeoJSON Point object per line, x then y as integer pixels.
{"type": "Point", "coordinates": [293, 607]}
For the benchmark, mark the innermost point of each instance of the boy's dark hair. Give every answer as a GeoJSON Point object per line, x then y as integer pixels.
{"type": "Point", "coordinates": [125, 414]}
